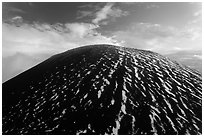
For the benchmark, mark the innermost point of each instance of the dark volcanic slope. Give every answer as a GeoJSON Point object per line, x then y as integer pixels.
{"type": "Point", "coordinates": [104, 90]}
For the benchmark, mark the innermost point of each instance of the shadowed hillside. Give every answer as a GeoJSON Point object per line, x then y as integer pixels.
{"type": "Point", "coordinates": [104, 89]}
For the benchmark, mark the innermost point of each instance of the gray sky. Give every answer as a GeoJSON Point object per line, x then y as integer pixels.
{"type": "Point", "coordinates": [32, 32]}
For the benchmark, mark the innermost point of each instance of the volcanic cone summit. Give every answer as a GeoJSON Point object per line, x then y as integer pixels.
{"type": "Point", "coordinates": [104, 89]}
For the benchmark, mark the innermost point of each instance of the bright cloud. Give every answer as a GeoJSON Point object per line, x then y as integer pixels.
{"type": "Point", "coordinates": [108, 11]}
{"type": "Point", "coordinates": [160, 38]}
{"type": "Point", "coordinates": [197, 13]}
{"type": "Point", "coordinates": [45, 40]}
{"type": "Point", "coordinates": [103, 13]}
{"type": "Point", "coordinates": [42, 38]}
{"type": "Point", "coordinates": [81, 29]}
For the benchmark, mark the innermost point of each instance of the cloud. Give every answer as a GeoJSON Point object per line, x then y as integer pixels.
{"type": "Point", "coordinates": [198, 13]}
{"type": "Point", "coordinates": [103, 13]}
{"type": "Point", "coordinates": [9, 11]}
{"type": "Point", "coordinates": [99, 13]}
{"type": "Point", "coordinates": [108, 11]}
{"type": "Point", "coordinates": [40, 38]}
{"type": "Point", "coordinates": [84, 13]}
{"type": "Point", "coordinates": [198, 56]}
{"type": "Point", "coordinates": [18, 63]}
{"type": "Point", "coordinates": [91, 5]}
{"type": "Point", "coordinates": [88, 10]}
{"type": "Point", "coordinates": [193, 33]}
{"type": "Point", "coordinates": [196, 20]}
{"type": "Point", "coordinates": [32, 40]}
{"type": "Point", "coordinates": [81, 29]}
{"type": "Point", "coordinates": [18, 20]}
{"type": "Point", "coordinates": [6, 8]}
{"type": "Point", "coordinates": [160, 38]}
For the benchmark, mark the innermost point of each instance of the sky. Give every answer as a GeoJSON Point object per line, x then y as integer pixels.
{"type": "Point", "coordinates": [32, 32]}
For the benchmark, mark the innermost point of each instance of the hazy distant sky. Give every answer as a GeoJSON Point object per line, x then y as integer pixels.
{"type": "Point", "coordinates": [32, 32]}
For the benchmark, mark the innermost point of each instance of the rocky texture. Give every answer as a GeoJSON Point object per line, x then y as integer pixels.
{"type": "Point", "coordinates": [104, 89]}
